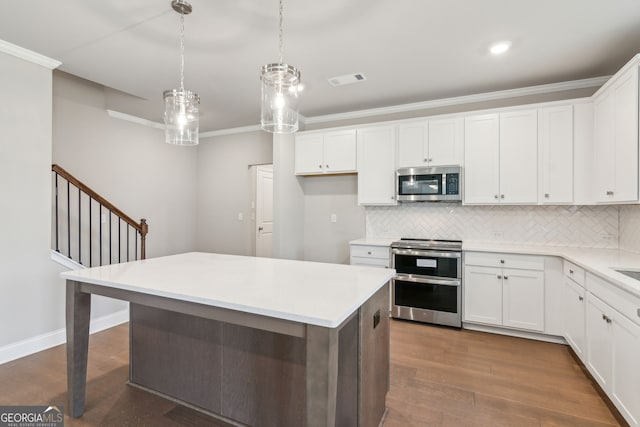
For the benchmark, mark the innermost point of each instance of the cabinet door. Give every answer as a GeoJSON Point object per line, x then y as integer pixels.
{"type": "Point", "coordinates": [604, 147]}
{"type": "Point", "coordinates": [340, 151]}
{"type": "Point", "coordinates": [412, 145]}
{"type": "Point", "coordinates": [445, 142]}
{"type": "Point", "coordinates": [626, 135]}
{"type": "Point", "coordinates": [574, 312]}
{"type": "Point", "coordinates": [483, 295]}
{"type": "Point", "coordinates": [598, 341]}
{"type": "Point", "coordinates": [481, 151]}
{"type": "Point", "coordinates": [523, 299]}
{"type": "Point", "coordinates": [625, 375]}
{"type": "Point", "coordinates": [556, 146]}
{"type": "Point", "coordinates": [309, 154]}
{"type": "Point", "coordinates": [376, 165]}
{"type": "Point", "coordinates": [519, 157]}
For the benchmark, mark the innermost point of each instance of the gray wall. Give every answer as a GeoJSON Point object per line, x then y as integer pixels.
{"type": "Point", "coordinates": [324, 240]}
{"type": "Point", "coordinates": [224, 189]}
{"type": "Point", "coordinates": [32, 301]}
{"type": "Point", "coordinates": [127, 163]}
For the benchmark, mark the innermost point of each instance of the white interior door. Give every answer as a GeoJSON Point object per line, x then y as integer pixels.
{"type": "Point", "coordinates": [264, 211]}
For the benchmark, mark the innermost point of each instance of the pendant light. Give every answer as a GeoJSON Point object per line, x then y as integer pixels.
{"type": "Point", "coordinates": [181, 114]}
{"type": "Point", "coordinates": [280, 86]}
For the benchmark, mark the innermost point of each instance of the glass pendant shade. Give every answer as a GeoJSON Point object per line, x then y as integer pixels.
{"type": "Point", "coordinates": [280, 84]}
{"type": "Point", "coordinates": [181, 117]}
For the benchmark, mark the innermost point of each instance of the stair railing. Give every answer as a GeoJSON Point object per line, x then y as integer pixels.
{"type": "Point", "coordinates": [89, 229]}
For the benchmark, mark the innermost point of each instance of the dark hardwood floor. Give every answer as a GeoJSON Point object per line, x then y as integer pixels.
{"type": "Point", "coordinates": [439, 377]}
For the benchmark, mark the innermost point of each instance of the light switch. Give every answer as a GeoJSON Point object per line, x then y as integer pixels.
{"type": "Point", "coordinates": [240, 216]}
{"type": "Point", "coordinates": [334, 218]}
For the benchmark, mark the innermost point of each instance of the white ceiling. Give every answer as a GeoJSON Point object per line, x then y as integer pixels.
{"type": "Point", "coordinates": [409, 50]}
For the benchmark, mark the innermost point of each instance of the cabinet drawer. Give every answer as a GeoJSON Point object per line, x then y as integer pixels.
{"type": "Point", "coordinates": [490, 259]}
{"type": "Point", "coordinates": [574, 272]}
{"type": "Point", "coordinates": [370, 251]}
{"type": "Point", "coordinates": [624, 302]}
{"type": "Point", "coordinates": [372, 262]}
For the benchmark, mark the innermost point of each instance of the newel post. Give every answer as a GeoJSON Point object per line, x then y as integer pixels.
{"type": "Point", "coordinates": [144, 229]}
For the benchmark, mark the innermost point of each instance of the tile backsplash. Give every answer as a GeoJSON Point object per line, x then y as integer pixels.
{"type": "Point", "coordinates": [583, 226]}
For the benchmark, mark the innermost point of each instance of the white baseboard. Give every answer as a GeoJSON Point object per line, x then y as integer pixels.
{"type": "Point", "coordinates": [51, 339]}
{"type": "Point", "coordinates": [514, 333]}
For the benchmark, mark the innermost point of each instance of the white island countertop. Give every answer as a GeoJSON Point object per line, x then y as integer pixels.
{"type": "Point", "coordinates": [315, 293]}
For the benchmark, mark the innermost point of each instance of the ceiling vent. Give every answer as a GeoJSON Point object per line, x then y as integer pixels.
{"type": "Point", "coordinates": [347, 79]}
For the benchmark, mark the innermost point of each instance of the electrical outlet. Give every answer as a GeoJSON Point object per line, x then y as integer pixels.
{"type": "Point", "coordinates": [606, 236]}
{"type": "Point", "coordinates": [334, 218]}
{"type": "Point", "coordinates": [240, 216]}
{"type": "Point", "coordinates": [498, 235]}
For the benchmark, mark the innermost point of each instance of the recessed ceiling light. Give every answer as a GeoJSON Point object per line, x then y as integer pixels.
{"type": "Point", "coordinates": [500, 47]}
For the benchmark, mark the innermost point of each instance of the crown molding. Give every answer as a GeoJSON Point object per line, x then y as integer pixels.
{"type": "Point", "coordinates": [230, 131]}
{"type": "Point", "coordinates": [468, 99]}
{"type": "Point", "coordinates": [28, 55]}
{"type": "Point", "coordinates": [416, 106]}
{"type": "Point", "coordinates": [134, 119]}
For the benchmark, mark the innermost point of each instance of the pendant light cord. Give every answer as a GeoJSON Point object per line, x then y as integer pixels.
{"type": "Point", "coordinates": [280, 33]}
{"type": "Point", "coordinates": [182, 52]}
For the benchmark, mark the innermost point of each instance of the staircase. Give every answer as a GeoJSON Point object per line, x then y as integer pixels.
{"type": "Point", "coordinates": [89, 229]}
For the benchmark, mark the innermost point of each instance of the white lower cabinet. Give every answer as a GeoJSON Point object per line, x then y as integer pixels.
{"type": "Point", "coordinates": [613, 346]}
{"type": "Point", "coordinates": [574, 320]}
{"type": "Point", "coordinates": [509, 296]}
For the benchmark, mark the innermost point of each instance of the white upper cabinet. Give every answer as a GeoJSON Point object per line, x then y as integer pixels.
{"type": "Point", "coordinates": [616, 139]}
{"type": "Point", "coordinates": [501, 152]}
{"type": "Point", "coordinates": [519, 157]}
{"type": "Point", "coordinates": [435, 142]}
{"type": "Point", "coordinates": [555, 125]}
{"type": "Point", "coordinates": [325, 152]}
{"type": "Point", "coordinates": [377, 165]}
{"type": "Point", "coordinates": [481, 159]}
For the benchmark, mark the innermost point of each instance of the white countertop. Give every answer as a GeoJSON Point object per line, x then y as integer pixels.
{"type": "Point", "coordinates": [309, 292]}
{"type": "Point", "coordinates": [597, 261]}
{"type": "Point", "coordinates": [370, 241]}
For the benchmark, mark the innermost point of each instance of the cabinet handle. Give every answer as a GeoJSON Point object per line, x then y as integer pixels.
{"type": "Point", "coordinates": [502, 196]}
{"type": "Point", "coordinates": [495, 196]}
{"type": "Point", "coordinates": [506, 277]}
{"type": "Point", "coordinates": [604, 317]}
{"type": "Point", "coordinates": [609, 193]}
{"type": "Point", "coordinates": [501, 261]}
{"type": "Point", "coordinates": [369, 252]}
{"type": "Point", "coordinates": [580, 298]}
{"type": "Point", "coordinates": [570, 271]}
{"type": "Point", "coordinates": [393, 197]}
{"type": "Point", "coordinates": [499, 276]}
{"type": "Point", "coordinates": [320, 166]}
{"type": "Point", "coordinates": [430, 160]}
{"type": "Point", "coordinates": [327, 166]}
{"type": "Point", "coordinates": [546, 195]}
{"type": "Point", "coordinates": [426, 160]}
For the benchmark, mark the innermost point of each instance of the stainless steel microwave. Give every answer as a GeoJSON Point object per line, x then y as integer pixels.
{"type": "Point", "coordinates": [429, 184]}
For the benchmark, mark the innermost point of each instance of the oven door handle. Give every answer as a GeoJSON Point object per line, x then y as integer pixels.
{"type": "Point", "coordinates": [428, 281]}
{"type": "Point", "coordinates": [426, 254]}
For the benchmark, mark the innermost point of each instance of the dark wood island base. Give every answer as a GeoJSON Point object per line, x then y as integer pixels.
{"type": "Point", "coordinates": [245, 368]}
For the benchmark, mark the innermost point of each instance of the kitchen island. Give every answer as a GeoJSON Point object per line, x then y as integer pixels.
{"type": "Point", "coordinates": [254, 341]}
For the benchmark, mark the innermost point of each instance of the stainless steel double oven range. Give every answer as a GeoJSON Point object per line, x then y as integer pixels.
{"type": "Point", "coordinates": [427, 286]}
